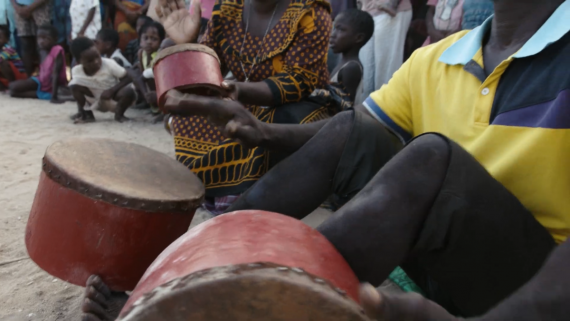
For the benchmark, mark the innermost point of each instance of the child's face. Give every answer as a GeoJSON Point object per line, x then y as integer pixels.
{"type": "Point", "coordinates": [90, 60]}
{"type": "Point", "coordinates": [45, 40]}
{"type": "Point", "coordinates": [3, 39]}
{"type": "Point", "coordinates": [150, 41]}
{"type": "Point", "coordinates": [342, 36]}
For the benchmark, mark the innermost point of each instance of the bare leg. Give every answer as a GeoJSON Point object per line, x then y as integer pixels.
{"type": "Point", "coordinates": [29, 53]}
{"type": "Point", "coordinates": [100, 303]}
{"type": "Point", "coordinates": [375, 231]}
{"type": "Point", "coordinates": [26, 88]}
{"type": "Point", "coordinates": [6, 71]}
{"type": "Point", "coordinates": [79, 94]}
{"type": "Point", "coordinates": [125, 98]}
{"type": "Point", "coordinates": [303, 180]}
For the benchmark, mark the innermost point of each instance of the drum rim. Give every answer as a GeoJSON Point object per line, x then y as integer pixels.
{"type": "Point", "coordinates": [182, 48]}
{"type": "Point", "coordinates": [65, 179]}
{"type": "Point", "coordinates": [272, 271]}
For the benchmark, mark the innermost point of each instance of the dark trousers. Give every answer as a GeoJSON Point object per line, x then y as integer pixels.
{"type": "Point", "coordinates": [478, 243]}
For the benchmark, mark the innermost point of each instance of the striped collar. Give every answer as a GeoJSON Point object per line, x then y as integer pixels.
{"type": "Point", "coordinates": [463, 50]}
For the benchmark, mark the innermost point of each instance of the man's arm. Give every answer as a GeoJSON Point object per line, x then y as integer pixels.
{"type": "Point", "coordinates": [87, 21]}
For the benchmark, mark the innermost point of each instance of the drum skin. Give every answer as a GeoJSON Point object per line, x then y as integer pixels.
{"type": "Point", "coordinates": [78, 226]}
{"type": "Point", "coordinates": [190, 71]}
{"type": "Point", "coordinates": [230, 260]}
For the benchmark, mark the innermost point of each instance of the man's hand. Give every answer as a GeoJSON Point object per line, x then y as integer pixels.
{"type": "Point", "coordinates": [107, 94]}
{"type": "Point", "coordinates": [233, 120]}
{"type": "Point", "coordinates": [231, 89]}
{"type": "Point", "coordinates": [410, 307]}
{"type": "Point", "coordinates": [181, 25]}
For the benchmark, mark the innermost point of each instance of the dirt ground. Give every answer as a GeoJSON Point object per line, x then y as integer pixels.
{"type": "Point", "coordinates": [27, 128]}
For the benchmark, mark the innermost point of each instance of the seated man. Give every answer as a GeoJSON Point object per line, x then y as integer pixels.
{"type": "Point", "coordinates": [471, 213]}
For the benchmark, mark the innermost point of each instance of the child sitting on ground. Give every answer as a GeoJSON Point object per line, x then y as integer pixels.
{"type": "Point", "coordinates": [51, 82]}
{"type": "Point", "coordinates": [151, 36]}
{"type": "Point", "coordinates": [98, 83]}
{"type": "Point", "coordinates": [11, 66]}
{"type": "Point", "coordinates": [107, 41]}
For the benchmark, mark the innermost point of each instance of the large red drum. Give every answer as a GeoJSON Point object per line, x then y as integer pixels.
{"type": "Point", "coordinates": [189, 68]}
{"type": "Point", "coordinates": [247, 266]}
{"type": "Point", "coordinates": [108, 208]}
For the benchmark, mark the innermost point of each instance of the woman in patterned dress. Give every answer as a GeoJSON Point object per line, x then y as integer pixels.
{"type": "Point", "coordinates": [277, 51]}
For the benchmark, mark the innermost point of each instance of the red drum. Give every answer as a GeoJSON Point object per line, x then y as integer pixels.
{"type": "Point", "coordinates": [190, 68]}
{"type": "Point", "coordinates": [108, 208]}
{"type": "Point", "coordinates": [247, 266]}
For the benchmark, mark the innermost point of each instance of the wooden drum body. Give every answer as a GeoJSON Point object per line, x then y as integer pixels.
{"type": "Point", "coordinates": [247, 266]}
{"type": "Point", "coordinates": [189, 68]}
{"type": "Point", "coordinates": [108, 208]}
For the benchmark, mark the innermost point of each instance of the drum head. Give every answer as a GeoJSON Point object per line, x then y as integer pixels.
{"type": "Point", "coordinates": [125, 174]}
{"type": "Point", "coordinates": [253, 292]}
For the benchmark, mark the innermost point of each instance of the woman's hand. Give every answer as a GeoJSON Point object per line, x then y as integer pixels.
{"type": "Point", "coordinates": [181, 25]}
{"type": "Point", "coordinates": [392, 307]}
{"type": "Point", "coordinates": [231, 89]}
{"type": "Point", "coordinates": [233, 120]}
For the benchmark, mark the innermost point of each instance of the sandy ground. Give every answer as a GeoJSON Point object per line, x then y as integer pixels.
{"type": "Point", "coordinates": [27, 128]}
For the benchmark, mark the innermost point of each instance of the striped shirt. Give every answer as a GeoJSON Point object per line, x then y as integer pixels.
{"type": "Point", "coordinates": [9, 54]}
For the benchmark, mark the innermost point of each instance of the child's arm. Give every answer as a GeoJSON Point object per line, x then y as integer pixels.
{"type": "Point", "coordinates": [55, 79]}
{"type": "Point", "coordinates": [111, 92]}
{"type": "Point", "coordinates": [87, 21]}
{"type": "Point", "coordinates": [350, 77]}
{"type": "Point", "coordinates": [139, 63]}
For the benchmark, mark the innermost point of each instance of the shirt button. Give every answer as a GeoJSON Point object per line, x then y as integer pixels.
{"type": "Point", "coordinates": [485, 91]}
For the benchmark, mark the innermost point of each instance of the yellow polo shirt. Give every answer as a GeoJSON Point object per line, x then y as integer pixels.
{"type": "Point", "coordinates": [515, 122]}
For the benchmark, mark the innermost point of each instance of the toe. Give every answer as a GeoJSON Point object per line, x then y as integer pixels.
{"type": "Point", "coordinates": [90, 307]}
{"type": "Point", "coordinates": [96, 282]}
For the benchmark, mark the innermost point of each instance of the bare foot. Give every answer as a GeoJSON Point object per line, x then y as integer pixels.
{"type": "Point", "coordinates": [121, 119]}
{"type": "Point", "coordinates": [158, 119]}
{"type": "Point", "coordinates": [100, 303]}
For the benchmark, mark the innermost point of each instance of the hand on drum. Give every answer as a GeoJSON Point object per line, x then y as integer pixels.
{"type": "Point", "coordinates": [233, 120]}
{"type": "Point", "coordinates": [231, 89]}
{"type": "Point", "coordinates": [396, 307]}
{"type": "Point", "coordinates": [181, 25]}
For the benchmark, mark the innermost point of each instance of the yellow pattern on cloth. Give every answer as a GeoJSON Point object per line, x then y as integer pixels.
{"type": "Point", "coordinates": [292, 62]}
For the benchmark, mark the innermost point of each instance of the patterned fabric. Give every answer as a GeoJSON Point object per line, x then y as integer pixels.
{"type": "Point", "coordinates": [40, 16]}
{"type": "Point", "coordinates": [400, 277]}
{"type": "Point", "coordinates": [8, 53]}
{"type": "Point", "coordinates": [475, 12]}
{"type": "Point", "coordinates": [78, 11]}
{"type": "Point", "coordinates": [292, 62]}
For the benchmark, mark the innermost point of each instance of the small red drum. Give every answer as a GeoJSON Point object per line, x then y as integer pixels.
{"type": "Point", "coordinates": [190, 68]}
{"type": "Point", "coordinates": [108, 208]}
{"type": "Point", "coordinates": [247, 266]}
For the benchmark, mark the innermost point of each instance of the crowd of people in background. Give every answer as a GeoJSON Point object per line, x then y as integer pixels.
{"type": "Point", "coordinates": [36, 36]}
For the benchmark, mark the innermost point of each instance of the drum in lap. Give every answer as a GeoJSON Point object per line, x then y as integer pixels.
{"type": "Point", "coordinates": [108, 208]}
{"type": "Point", "coordinates": [247, 266]}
